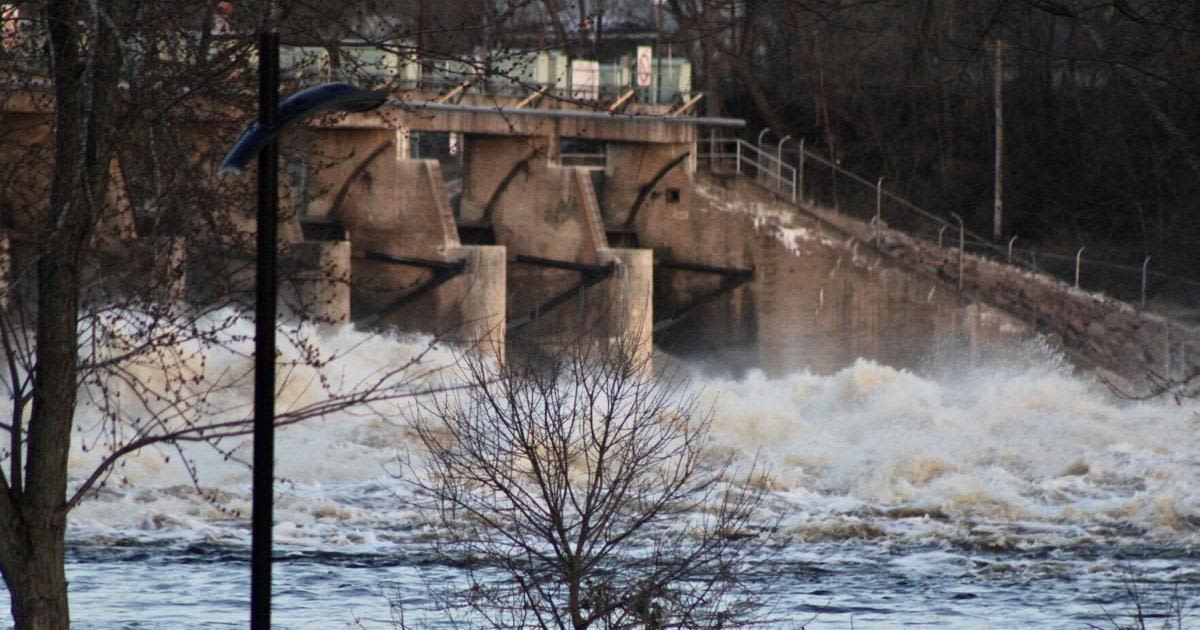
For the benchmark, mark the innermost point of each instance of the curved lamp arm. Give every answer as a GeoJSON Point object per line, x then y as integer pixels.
{"type": "Point", "coordinates": [315, 100]}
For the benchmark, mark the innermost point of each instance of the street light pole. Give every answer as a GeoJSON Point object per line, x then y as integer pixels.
{"type": "Point", "coordinates": [261, 139]}
{"type": "Point", "coordinates": [264, 337]}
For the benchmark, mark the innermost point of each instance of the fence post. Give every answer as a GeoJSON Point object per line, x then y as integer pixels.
{"type": "Point", "coordinates": [1145, 265]}
{"type": "Point", "coordinates": [833, 173]}
{"type": "Point", "coordinates": [800, 172]}
{"type": "Point", "coordinates": [961, 233]}
{"type": "Point", "coordinates": [738, 156]}
{"type": "Point", "coordinates": [765, 131]}
{"type": "Point", "coordinates": [879, 200]}
{"type": "Point", "coordinates": [1010, 244]}
{"type": "Point", "coordinates": [1078, 254]}
{"type": "Point", "coordinates": [940, 233]}
{"type": "Point", "coordinates": [779, 158]}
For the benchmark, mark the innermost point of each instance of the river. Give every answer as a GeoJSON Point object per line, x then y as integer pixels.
{"type": "Point", "coordinates": [1006, 494]}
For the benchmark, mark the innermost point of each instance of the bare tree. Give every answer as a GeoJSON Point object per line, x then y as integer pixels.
{"type": "Point", "coordinates": [115, 113]}
{"type": "Point", "coordinates": [582, 492]}
{"type": "Point", "coordinates": [902, 90]}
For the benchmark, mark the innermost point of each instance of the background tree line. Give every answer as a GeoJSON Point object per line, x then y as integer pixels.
{"type": "Point", "coordinates": [1100, 98]}
{"type": "Point", "coordinates": [1100, 105]}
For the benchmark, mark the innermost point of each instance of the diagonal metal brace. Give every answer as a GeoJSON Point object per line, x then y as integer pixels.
{"type": "Point", "coordinates": [416, 262]}
{"type": "Point", "coordinates": [521, 166]}
{"type": "Point", "coordinates": [732, 278]}
{"type": "Point", "coordinates": [443, 271]}
{"type": "Point", "coordinates": [589, 275]}
{"type": "Point", "coordinates": [645, 190]}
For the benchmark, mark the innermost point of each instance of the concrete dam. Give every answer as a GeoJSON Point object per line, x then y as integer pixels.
{"type": "Point", "coordinates": [650, 225]}
{"type": "Point", "coordinates": [501, 224]}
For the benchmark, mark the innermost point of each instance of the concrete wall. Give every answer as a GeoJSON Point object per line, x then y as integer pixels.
{"type": "Point", "coordinates": [1096, 330]}
{"type": "Point", "coordinates": [488, 161]}
{"type": "Point", "coordinates": [829, 289]}
{"type": "Point", "coordinates": [822, 303]}
{"type": "Point", "coordinates": [396, 206]}
{"type": "Point", "coordinates": [629, 167]}
{"type": "Point", "coordinates": [546, 211]}
{"type": "Point", "coordinates": [551, 213]}
{"type": "Point", "coordinates": [543, 210]}
{"type": "Point", "coordinates": [689, 231]}
{"type": "Point", "coordinates": [820, 298]}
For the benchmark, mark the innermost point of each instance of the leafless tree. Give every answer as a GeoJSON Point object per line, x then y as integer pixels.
{"type": "Point", "coordinates": [903, 89]}
{"type": "Point", "coordinates": [114, 116]}
{"type": "Point", "coordinates": [1142, 611]}
{"type": "Point", "coordinates": [581, 493]}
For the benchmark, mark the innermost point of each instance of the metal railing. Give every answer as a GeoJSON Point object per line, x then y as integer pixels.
{"type": "Point", "coordinates": [803, 176]}
{"type": "Point", "coordinates": [747, 159]}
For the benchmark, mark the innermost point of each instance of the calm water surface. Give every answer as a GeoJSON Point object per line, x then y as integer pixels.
{"type": "Point", "coordinates": [834, 585]}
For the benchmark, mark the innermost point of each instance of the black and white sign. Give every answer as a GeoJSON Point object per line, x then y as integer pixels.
{"type": "Point", "coordinates": [645, 66]}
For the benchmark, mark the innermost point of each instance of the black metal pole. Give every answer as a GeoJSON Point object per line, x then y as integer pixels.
{"type": "Point", "coordinates": [264, 339]}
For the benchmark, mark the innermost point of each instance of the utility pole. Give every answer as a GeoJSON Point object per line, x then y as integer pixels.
{"type": "Point", "coordinates": [998, 97]}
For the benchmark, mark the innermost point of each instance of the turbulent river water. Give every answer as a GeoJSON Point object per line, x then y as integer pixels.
{"type": "Point", "coordinates": [1010, 494]}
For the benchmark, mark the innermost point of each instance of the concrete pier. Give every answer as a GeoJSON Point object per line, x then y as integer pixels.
{"type": "Point", "coordinates": [629, 299]}
{"type": "Point", "coordinates": [322, 283]}
{"type": "Point", "coordinates": [472, 306]}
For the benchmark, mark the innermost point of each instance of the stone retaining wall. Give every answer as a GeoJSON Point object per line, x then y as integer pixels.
{"type": "Point", "coordinates": [1096, 331]}
{"type": "Point", "coordinates": [1109, 333]}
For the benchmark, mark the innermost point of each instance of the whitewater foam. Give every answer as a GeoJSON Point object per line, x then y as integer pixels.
{"type": "Point", "coordinates": [995, 445]}
{"type": "Point", "coordinates": [1013, 455]}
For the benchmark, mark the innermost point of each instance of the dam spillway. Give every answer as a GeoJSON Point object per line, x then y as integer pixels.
{"type": "Point", "coordinates": [491, 223]}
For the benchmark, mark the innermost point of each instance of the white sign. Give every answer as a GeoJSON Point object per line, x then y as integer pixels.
{"type": "Point", "coordinates": [585, 79]}
{"type": "Point", "coordinates": [645, 66]}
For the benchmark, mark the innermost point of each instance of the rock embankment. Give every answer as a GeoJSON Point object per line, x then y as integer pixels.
{"type": "Point", "coordinates": [1130, 342]}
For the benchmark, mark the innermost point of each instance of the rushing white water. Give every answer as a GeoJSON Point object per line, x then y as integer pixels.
{"type": "Point", "coordinates": [1012, 455]}
{"type": "Point", "coordinates": [980, 474]}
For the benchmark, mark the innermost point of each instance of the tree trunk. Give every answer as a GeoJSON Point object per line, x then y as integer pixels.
{"type": "Point", "coordinates": [38, 584]}
{"type": "Point", "coordinates": [85, 70]}
{"type": "Point", "coordinates": [37, 580]}
{"type": "Point", "coordinates": [560, 32]}
{"type": "Point", "coordinates": [575, 606]}
{"type": "Point", "coordinates": [758, 93]}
